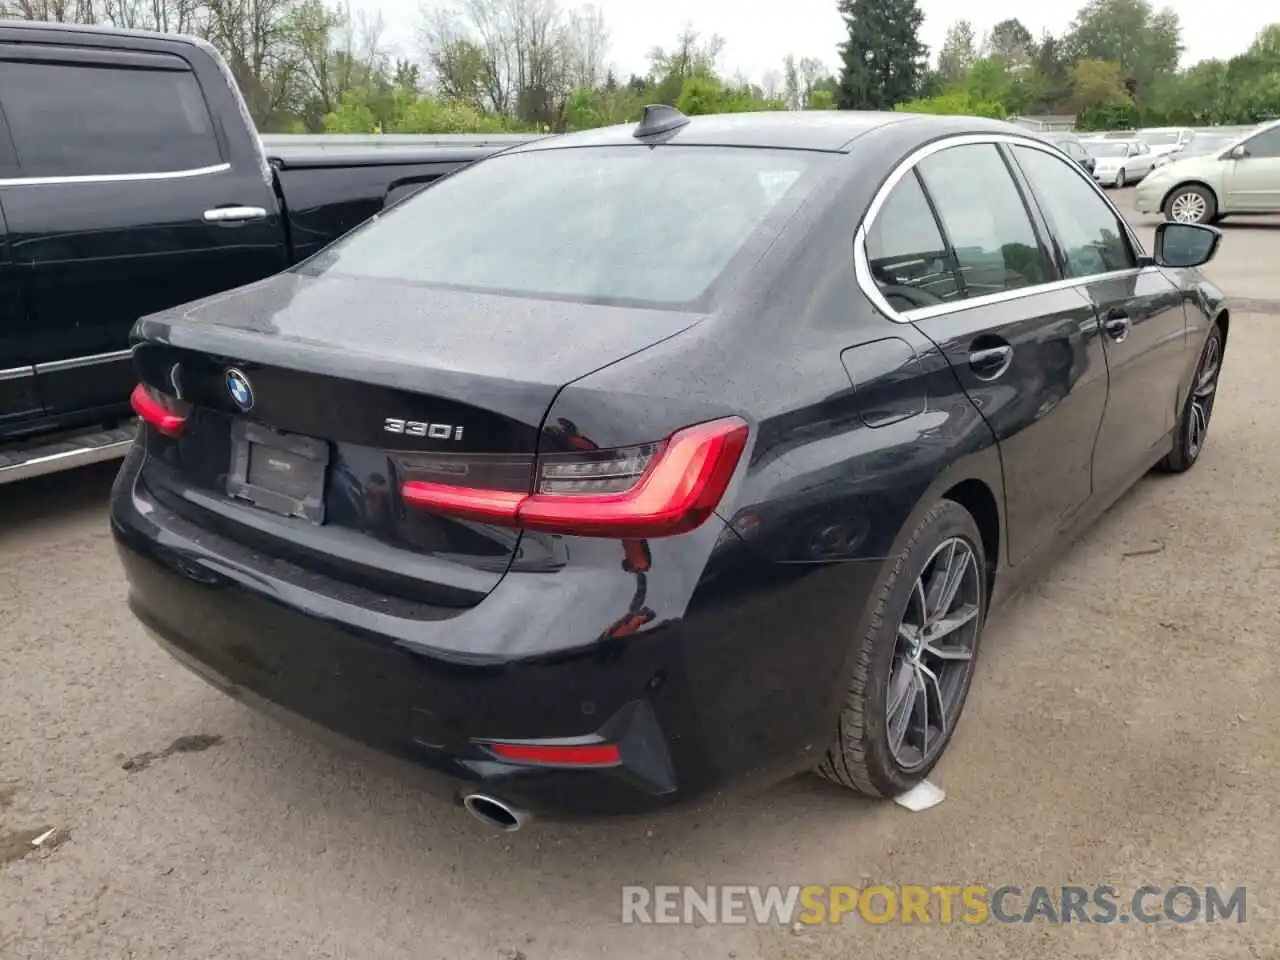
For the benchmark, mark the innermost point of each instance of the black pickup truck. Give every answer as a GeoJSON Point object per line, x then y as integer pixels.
{"type": "Point", "coordinates": [132, 179]}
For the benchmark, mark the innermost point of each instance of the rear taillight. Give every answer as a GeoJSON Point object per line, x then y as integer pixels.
{"type": "Point", "coordinates": [650, 490]}
{"type": "Point", "coordinates": [166, 414]}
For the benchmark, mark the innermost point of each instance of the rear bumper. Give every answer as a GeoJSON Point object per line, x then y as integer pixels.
{"type": "Point", "coordinates": [743, 684]}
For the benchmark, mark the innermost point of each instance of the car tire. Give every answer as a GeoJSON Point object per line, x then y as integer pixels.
{"type": "Point", "coordinates": [1120, 180]}
{"type": "Point", "coordinates": [1182, 202]}
{"type": "Point", "coordinates": [861, 756]}
{"type": "Point", "coordinates": [1197, 410]}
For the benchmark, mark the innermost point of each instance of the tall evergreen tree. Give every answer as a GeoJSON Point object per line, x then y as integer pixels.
{"type": "Point", "coordinates": [884, 59]}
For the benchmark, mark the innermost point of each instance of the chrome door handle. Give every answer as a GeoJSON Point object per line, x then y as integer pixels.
{"type": "Point", "coordinates": [234, 214]}
{"type": "Point", "coordinates": [989, 362]}
{"type": "Point", "coordinates": [1117, 327]}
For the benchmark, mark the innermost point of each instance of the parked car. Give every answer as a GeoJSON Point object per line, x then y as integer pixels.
{"type": "Point", "coordinates": [1244, 177]}
{"type": "Point", "coordinates": [1165, 141]}
{"type": "Point", "coordinates": [661, 457]}
{"type": "Point", "coordinates": [1070, 144]}
{"type": "Point", "coordinates": [131, 180]}
{"type": "Point", "coordinates": [1120, 162]}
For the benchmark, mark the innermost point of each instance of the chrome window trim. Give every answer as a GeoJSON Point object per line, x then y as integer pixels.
{"type": "Point", "coordinates": [862, 263]}
{"type": "Point", "coordinates": [73, 363]}
{"type": "Point", "coordinates": [114, 177]}
{"type": "Point", "coordinates": [17, 373]}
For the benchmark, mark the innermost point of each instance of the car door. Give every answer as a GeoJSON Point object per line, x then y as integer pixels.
{"type": "Point", "coordinates": [1025, 349]}
{"type": "Point", "coordinates": [115, 209]}
{"type": "Point", "coordinates": [1139, 309]}
{"type": "Point", "coordinates": [1140, 161]}
{"type": "Point", "coordinates": [1253, 181]}
{"type": "Point", "coordinates": [18, 398]}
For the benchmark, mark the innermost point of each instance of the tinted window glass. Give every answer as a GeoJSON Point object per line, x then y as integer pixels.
{"type": "Point", "coordinates": [908, 257]}
{"type": "Point", "coordinates": [71, 120]}
{"type": "Point", "coordinates": [1091, 238]}
{"type": "Point", "coordinates": [1265, 144]}
{"type": "Point", "coordinates": [985, 220]}
{"type": "Point", "coordinates": [592, 223]}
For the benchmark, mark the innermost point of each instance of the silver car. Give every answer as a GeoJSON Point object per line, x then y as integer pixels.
{"type": "Point", "coordinates": [1238, 177]}
{"type": "Point", "coordinates": [1120, 162]}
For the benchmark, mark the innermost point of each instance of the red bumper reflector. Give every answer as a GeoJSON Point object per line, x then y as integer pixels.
{"type": "Point", "coordinates": [151, 407]}
{"type": "Point", "coordinates": [562, 755]}
{"type": "Point", "coordinates": [680, 487]}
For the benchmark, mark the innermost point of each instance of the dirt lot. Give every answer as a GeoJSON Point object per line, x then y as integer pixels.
{"type": "Point", "coordinates": [1121, 730]}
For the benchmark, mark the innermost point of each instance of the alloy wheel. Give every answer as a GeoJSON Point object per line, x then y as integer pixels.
{"type": "Point", "coordinates": [1203, 394]}
{"type": "Point", "coordinates": [1188, 208]}
{"type": "Point", "coordinates": [933, 654]}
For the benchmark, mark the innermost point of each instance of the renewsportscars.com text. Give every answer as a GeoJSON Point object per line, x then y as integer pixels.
{"type": "Point", "coordinates": [939, 904]}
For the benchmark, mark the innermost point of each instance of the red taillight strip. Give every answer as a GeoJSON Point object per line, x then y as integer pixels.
{"type": "Point", "coordinates": [676, 494]}
{"type": "Point", "coordinates": [154, 412]}
{"type": "Point", "coordinates": [559, 754]}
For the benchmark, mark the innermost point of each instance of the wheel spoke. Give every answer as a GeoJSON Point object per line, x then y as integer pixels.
{"type": "Point", "coordinates": [948, 625]}
{"type": "Point", "coordinates": [1200, 423]}
{"type": "Point", "coordinates": [938, 582]}
{"type": "Point", "coordinates": [920, 599]}
{"type": "Point", "coordinates": [921, 699]}
{"type": "Point", "coordinates": [901, 706]}
{"type": "Point", "coordinates": [930, 680]}
{"type": "Point", "coordinates": [956, 569]}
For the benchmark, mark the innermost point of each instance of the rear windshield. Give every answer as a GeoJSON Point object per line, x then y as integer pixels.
{"type": "Point", "coordinates": [651, 225]}
{"type": "Point", "coordinates": [1103, 148]}
{"type": "Point", "coordinates": [1161, 139]}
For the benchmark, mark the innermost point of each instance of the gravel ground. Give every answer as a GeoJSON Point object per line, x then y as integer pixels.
{"type": "Point", "coordinates": [1121, 730]}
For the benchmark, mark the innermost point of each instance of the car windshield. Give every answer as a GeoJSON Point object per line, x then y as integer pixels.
{"type": "Point", "coordinates": [1203, 145]}
{"type": "Point", "coordinates": [1162, 139]}
{"type": "Point", "coordinates": [624, 223]}
{"type": "Point", "coordinates": [1107, 148]}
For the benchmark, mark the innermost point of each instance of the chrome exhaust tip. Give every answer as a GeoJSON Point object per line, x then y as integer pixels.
{"type": "Point", "coordinates": [495, 812]}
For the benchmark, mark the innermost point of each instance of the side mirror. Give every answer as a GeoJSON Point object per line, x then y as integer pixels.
{"type": "Point", "coordinates": [1186, 244]}
{"type": "Point", "coordinates": [1238, 152]}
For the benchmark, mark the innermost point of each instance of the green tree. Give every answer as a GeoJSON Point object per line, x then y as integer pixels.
{"type": "Point", "coordinates": [989, 81]}
{"type": "Point", "coordinates": [883, 58]}
{"type": "Point", "coordinates": [1011, 42]}
{"type": "Point", "coordinates": [821, 100]}
{"type": "Point", "coordinates": [956, 103]}
{"type": "Point", "coordinates": [1145, 44]}
{"type": "Point", "coordinates": [957, 54]}
{"type": "Point", "coordinates": [1097, 83]}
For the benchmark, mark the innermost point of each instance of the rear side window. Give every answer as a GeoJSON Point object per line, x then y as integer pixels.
{"type": "Point", "coordinates": [908, 258]}
{"type": "Point", "coordinates": [985, 220]}
{"type": "Point", "coordinates": [70, 120]}
{"type": "Point", "coordinates": [633, 224]}
{"type": "Point", "coordinates": [1089, 234]}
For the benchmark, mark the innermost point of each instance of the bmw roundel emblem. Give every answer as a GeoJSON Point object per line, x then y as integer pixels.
{"type": "Point", "coordinates": [240, 389]}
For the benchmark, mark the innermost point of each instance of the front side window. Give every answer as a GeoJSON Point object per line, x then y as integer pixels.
{"type": "Point", "coordinates": [628, 223]}
{"type": "Point", "coordinates": [985, 220]}
{"type": "Point", "coordinates": [69, 120]}
{"type": "Point", "coordinates": [1265, 144]}
{"type": "Point", "coordinates": [909, 259]}
{"type": "Point", "coordinates": [1088, 232]}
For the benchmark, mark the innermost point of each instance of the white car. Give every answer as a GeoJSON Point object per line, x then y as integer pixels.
{"type": "Point", "coordinates": [1167, 141]}
{"type": "Point", "coordinates": [1120, 162]}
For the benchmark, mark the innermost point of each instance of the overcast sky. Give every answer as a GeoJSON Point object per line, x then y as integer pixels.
{"type": "Point", "coordinates": [756, 42]}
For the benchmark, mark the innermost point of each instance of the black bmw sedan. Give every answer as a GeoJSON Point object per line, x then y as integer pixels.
{"type": "Point", "coordinates": [632, 463]}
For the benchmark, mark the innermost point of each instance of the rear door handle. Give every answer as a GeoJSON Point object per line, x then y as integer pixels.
{"type": "Point", "coordinates": [234, 214]}
{"type": "Point", "coordinates": [1117, 325]}
{"type": "Point", "coordinates": [987, 363]}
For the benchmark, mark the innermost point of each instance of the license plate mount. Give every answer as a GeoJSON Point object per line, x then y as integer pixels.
{"type": "Point", "coordinates": [279, 472]}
